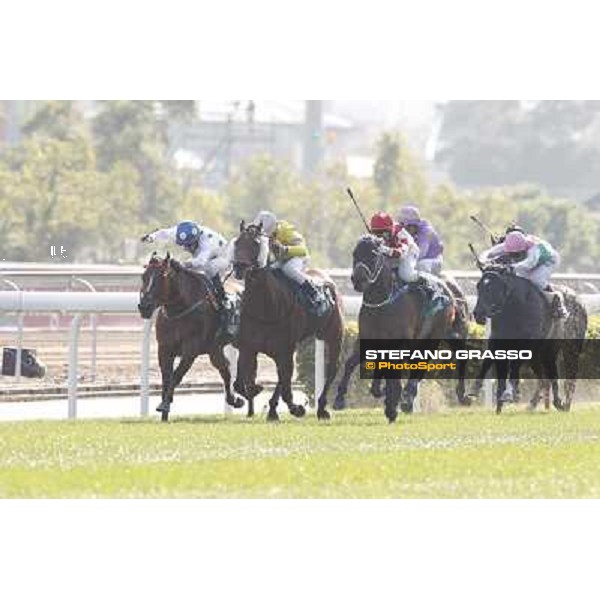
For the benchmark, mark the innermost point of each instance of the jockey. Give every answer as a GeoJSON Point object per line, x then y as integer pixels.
{"type": "Point", "coordinates": [540, 260]}
{"type": "Point", "coordinates": [428, 240]}
{"type": "Point", "coordinates": [399, 244]}
{"type": "Point", "coordinates": [208, 248]}
{"type": "Point", "coordinates": [289, 250]}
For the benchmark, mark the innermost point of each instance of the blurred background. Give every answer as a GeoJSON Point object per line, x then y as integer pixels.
{"type": "Point", "coordinates": [93, 176]}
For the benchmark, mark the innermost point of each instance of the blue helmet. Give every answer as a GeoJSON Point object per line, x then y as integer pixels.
{"type": "Point", "coordinates": [188, 233]}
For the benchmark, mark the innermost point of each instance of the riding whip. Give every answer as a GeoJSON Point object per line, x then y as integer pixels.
{"type": "Point", "coordinates": [483, 226]}
{"type": "Point", "coordinates": [358, 209]}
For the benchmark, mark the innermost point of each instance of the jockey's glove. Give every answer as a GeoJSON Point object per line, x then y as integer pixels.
{"type": "Point", "coordinates": [278, 249]}
{"type": "Point", "coordinates": [391, 252]}
{"type": "Point", "coordinates": [148, 238]}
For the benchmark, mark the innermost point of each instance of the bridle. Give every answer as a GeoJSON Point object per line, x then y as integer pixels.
{"type": "Point", "coordinates": [495, 309]}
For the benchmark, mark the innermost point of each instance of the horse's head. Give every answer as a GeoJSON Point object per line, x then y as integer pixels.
{"type": "Point", "coordinates": [154, 291]}
{"type": "Point", "coordinates": [249, 250]}
{"type": "Point", "coordinates": [367, 262]}
{"type": "Point", "coordinates": [493, 290]}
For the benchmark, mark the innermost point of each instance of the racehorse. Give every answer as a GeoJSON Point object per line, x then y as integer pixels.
{"type": "Point", "coordinates": [274, 321]}
{"type": "Point", "coordinates": [397, 313]}
{"type": "Point", "coordinates": [186, 325]}
{"type": "Point", "coordinates": [519, 311]}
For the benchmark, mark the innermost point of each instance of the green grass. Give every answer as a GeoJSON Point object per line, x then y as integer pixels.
{"type": "Point", "coordinates": [459, 453]}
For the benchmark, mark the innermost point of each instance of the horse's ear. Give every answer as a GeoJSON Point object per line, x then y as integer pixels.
{"type": "Point", "coordinates": [242, 225]}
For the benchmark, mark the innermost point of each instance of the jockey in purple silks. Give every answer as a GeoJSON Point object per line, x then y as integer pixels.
{"type": "Point", "coordinates": [430, 244]}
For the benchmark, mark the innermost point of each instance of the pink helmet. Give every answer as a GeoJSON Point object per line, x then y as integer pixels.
{"type": "Point", "coordinates": [516, 241]}
{"type": "Point", "coordinates": [409, 215]}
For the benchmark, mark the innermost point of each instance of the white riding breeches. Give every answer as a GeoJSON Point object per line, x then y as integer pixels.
{"type": "Point", "coordinates": [431, 265]}
{"type": "Point", "coordinates": [293, 268]}
{"type": "Point", "coordinates": [213, 266]}
{"type": "Point", "coordinates": [407, 268]}
{"type": "Point", "coordinates": [540, 276]}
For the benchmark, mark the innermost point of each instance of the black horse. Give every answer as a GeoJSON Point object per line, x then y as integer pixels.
{"type": "Point", "coordinates": [519, 311]}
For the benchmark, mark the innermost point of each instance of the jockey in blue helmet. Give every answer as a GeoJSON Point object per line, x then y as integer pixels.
{"type": "Point", "coordinates": [209, 250]}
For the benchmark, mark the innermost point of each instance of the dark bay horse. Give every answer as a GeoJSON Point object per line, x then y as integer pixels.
{"type": "Point", "coordinates": [186, 325]}
{"type": "Point", "coordinates": [519, 311]}
{"type": "Point", "coordinates": [383, 316]}
{"type": "Point", "coordinates": [273, 322]}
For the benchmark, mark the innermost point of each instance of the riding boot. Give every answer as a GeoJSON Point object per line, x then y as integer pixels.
{"type": "Point", "coordinates": [559, 309]}
{"type": "Point", "coordinates": [311, 293]}
{"type": "Point", "coordinates": [221, 299]}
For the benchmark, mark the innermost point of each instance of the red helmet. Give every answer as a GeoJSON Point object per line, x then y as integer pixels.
{"type": "Point", "coordinates": [381, 221]}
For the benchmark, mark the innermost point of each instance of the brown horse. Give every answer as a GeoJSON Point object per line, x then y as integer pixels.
{"type": "Point", "coordinates": [387, 314]}
{"type": "Point", "coordinates": [186, 325]}
{"type": "Point", "coordinates": [273, 322]}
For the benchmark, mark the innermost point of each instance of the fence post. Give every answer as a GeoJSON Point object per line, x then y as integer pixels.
{"type": "Point", "coordinates": [93, 325]}
{"type": "Point", "coordinates": [145, 369]}
{"type": "Point", "coordinates": [73, 350]}
{"type": "Point", "coordinates": [319, 369]}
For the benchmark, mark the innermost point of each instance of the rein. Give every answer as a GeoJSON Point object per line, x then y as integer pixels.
{"type": "Point", "coordinates": [185, 312]}
{"type": "Point", "coordinates": [372, 276]}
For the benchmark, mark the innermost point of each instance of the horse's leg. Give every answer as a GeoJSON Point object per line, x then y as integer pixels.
{"type": "Point", "coordinates": [219, 361]}
{"type": "Point", "coordinates": [285, 371]}
{"type": "Point", "coordinates": [187, 360]}
{"type": "Point", "coordinates": [353, 361]}
{"type": "Point", "coordinates": [501, 375]}
{"type": "Point", "coordinates": [483, 371]}
{"type": "Point", "coordinates": [409, 393]}
{"type": "Point", "coordinates": [461, 397]}
{"type": "Point", "coordinates": [552, 369]}
{"type": "Point", "coordinates": [377, 386]}
{"type": "Point", "coordinates": [392, 396]}
{"type": "Point", "coordinates": [246, 377]}
{"type": "Point", "coordinates": [333, 347]}
{"type": "Point", "coordinates": [165, 360]}
{"type": "Point", "coordinates": [514, 370]}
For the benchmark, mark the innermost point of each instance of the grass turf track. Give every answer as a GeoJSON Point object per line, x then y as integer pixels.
{"type": "Point", "coordinates": [459, 453]}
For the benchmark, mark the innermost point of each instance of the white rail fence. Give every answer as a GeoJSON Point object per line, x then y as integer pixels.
{"type": "Point", "coordinates": [94, 303]}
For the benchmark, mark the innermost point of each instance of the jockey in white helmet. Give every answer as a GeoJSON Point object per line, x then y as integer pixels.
{"type": "Point", "coordinates": [288, 248]}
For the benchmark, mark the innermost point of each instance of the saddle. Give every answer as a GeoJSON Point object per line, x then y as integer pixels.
{"type": "Point", "coordinates": [435, 294]}
{"type": "Point", "coordinates": [319, 304]}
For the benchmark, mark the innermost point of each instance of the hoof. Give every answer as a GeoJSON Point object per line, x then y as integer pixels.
{"type": "Point", "coordinates": [272, 417]}
{"type": "Point", "coordinates": [391, 415]}
{"type": "Point", "coordinates": [377, 391]}
{"type": "Point", "coordinates": [297, 410]}
{"type": "Point", "coordinates": [235, 402]}
{"type": "Point", "coordinates": [560, 406]}
{"type": "Point", "coordinates": [163, 407]}
{"type": "Point", "coordinates": [323, 415]}
{"type": "Point", "coordinates": [164, 416]}
{"type": "Point", "coordinates": [498, 408]}
{"type": "Point", "coordinates": [339, 404]}
{"type": "Point", "coordinates": [465, 401]}
{"type": "Point", "coordinates": [407, 408]}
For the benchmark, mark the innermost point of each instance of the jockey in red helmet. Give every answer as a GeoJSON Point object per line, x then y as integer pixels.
{"type": "Point", "coordinates": [399, 245]}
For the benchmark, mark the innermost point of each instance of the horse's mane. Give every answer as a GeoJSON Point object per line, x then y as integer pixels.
{"type": "Point", "coordinates": [192, 285]}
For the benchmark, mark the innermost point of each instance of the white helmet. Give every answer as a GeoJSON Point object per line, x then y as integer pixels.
{"type": "Point", "coordinates": [268, 221]}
